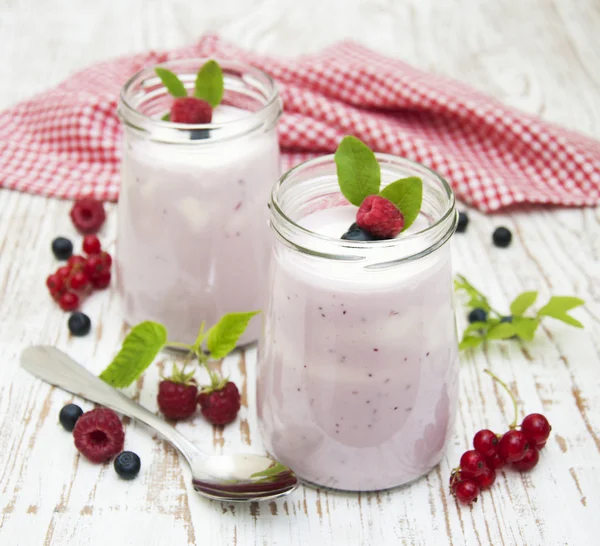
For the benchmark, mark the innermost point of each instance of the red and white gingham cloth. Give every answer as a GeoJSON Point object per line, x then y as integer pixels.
{"type": "Point", "coordinates": [66, 142]}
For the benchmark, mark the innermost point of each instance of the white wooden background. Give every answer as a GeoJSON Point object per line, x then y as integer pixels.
{"type": "Point", "coordinates": [538, 55]}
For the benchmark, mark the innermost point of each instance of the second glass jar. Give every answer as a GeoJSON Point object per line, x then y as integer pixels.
{"type": "Point", "coordinates": [193, 236]}
{"type": "Point", "coordinates": [358, 363]}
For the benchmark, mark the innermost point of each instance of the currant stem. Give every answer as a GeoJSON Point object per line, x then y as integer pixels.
{"type": "Point", "coordinates": [179, 344]}
{"type": "Point", "coordinates": [513, 425]}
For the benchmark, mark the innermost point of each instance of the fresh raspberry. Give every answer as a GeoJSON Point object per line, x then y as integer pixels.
{"type": "Point", "coordinates": [91, 244]}
{"type": "Point", "coordinates": [177, 400]}
{"type": "Point", "coordinates": [190, 110]}
{"type": "Point", "coordinates": [88, 215]}
{"type": "Point", "coordinates": [99, 435]}
{"type": "Point", "coordinates": [380, 217]}
{"type": "Point", "coordinates": [220, 406]}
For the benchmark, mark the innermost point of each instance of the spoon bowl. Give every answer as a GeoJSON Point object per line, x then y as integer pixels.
{"type": "Point", "coordinates": [236, 477]}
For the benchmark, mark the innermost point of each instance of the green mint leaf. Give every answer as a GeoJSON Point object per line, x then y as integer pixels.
{"type": "Point", "coordinates": [504, 330]}
{"type": "Point", "coordinates": [523, 302]}
{"type": "Point", "coordinates": [166, 117]}
{"type": "Point", "coordinates": [272, 472]}
{"type": "Point", "coordinates": [407, 195]}
{"type": "Point", "coordinates": [469, 342]}
{"type": "Point", "coordinates": [525, 327]}
{"type": "Point", "coordinates": [358, 171]}
{"type": "Point", "coordinates": [223, 336]}
{"type": "Point", "coordinates": [139, 349]}
{"type": "Point", "coordinates": [557, 308]}
{"type": "Point", "coordinates": [171, 82]}
{"type": "Point", "coordinates": [209, 83]}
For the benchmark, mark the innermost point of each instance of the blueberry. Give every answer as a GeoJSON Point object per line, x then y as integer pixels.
{"type": "Point", "coordinates": [508, 319]}
{"type": "Point", "coordinates": [79, 324]}
{"type": "Point", "coordinates": [502, 237]}
{"type": "Point", "coordinates": [62, 248]}
{"type": "Point", "coordinates": [477, 315]}
{"type": "Point", "coordinates": [199, 134]}
{"type": "Point", "coordinates": [355, 233]}
{"type": "Point", "coordinates": [127, 465]}
{"type": "Point", "coordinates": [68, 416]}
{"type": "Point", "coordinates": [463, 221]}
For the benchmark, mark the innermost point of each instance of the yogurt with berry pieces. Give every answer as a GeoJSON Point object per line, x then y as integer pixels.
{"type": "Point", "coordinates": [358, 362]}
{"type": "Point", "coordinates": [193, 237]}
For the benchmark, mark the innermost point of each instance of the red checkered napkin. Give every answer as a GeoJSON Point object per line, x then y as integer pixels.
{"type": "Point", "coordinates": [66, 142]}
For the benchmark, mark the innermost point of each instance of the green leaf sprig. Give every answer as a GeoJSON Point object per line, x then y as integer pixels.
{"type": "Point", "coordinates": [515, 324]}
{"type": "Point", "coordinates": [145, 340]}
{"type": "Point", "coordinates": [209, 85]}
{"type": "Point", "coordinates": [359, 175]}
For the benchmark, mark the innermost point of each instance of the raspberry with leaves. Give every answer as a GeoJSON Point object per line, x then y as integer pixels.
{"type": "Point", "coordinates": [177, 395]}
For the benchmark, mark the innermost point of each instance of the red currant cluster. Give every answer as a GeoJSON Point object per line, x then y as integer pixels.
{"type": "Point", "coordinates": [518, 448]}
{"type": "Point", "coordinates": [82, 274]}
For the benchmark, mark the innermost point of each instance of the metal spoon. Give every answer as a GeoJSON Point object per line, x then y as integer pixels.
{"type": "Point", "coordinates": [237, 477]}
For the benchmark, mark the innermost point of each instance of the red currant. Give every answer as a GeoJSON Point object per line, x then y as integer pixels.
{"type": "Point", "coordinates": [76, 262]}
{"type": "Point", "coordinates": [93, 266]}
{"type": "Point", "coordinates": [530, 459]}
{"type": "Point", "coordinates": [55, 284]}
{"type": "Point", "coordinates": [101, 280]}
{"type": "Point", "coordinates": [91, 244]}
{"type": "Point", "coordinates": [541, 446]}
{"type": "Point", "coordinates": [79, 281]}
{"type": "Point", "coordinates": [537, 428]}
{"type": "Point", "coordinates": [487, 478]}
{"type": "Point", "coordinates": [106, 259]}
{"type": "Point", "coordinates": [472, 462]}
{"type": "Point", "coordinates": [466, 491]}
{"type": "Point", "coordinates": [68, 301]}
{"type": "Point", "coordinates": [63, 272]}
{"type": "Point", "coordinates": [495, 461]}
{"type": "Point", "coordinates": [512, 446]}
{"type": "Point", "coordinates": [486, 442]}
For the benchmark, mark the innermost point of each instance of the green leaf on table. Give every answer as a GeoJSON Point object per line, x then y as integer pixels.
{"type": "Point", "coordinates": [171, 82]}
{"type": "Point", "coordinates": [407, 195]}
{"type": "Point", "coordinates": [523, 302]}
{"type": "Point", "coordinates": [469, 342]}
{"type": "Point", "coordinates": [476, 327]}
{"type": "Point", "coordinates": [222, 338]}
{"type": "Point", "coordinates": [504, 330]}
{"type": "Point", "coordinates": [358, 171]}
{"type": "Point", "coordinates": [525, 327]}
{"type": "Point", "coordinates": [209, 83]}
{"type": "Point", "coordinates": [477, 299]}
{"type": "Point", "coordinates": [139, 349]}
{"type": "Point", "coordinates": [557, 308]}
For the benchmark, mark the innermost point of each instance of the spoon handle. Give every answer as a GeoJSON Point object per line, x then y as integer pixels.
{"type": "Point", "coordinates": [59, 369]}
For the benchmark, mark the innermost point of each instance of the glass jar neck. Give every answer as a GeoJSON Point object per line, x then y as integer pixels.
{"type": "Point", "coordinates": [313, 186]}
{"type": "Point", "coordinates": [248, 90]}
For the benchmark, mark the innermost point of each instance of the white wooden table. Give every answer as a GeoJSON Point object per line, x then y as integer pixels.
{"type": "Point", "coordinates": [538, 55]}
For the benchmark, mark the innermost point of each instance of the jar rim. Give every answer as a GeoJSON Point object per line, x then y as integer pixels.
{"type": "Point", "coordinates": [270, 109]}
{"type": "Point", "coordinates": [439, 231]}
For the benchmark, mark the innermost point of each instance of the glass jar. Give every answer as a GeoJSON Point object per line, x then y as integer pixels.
{"type": "Point", "coordinates": [193, 235]}
{"type": "Point", "coordinates": [358, 361]}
